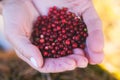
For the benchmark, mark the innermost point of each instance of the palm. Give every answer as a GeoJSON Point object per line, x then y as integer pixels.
{"type": "Point", "coordinates": [74, 6]}
{"type": "Point", "coordinates": [94, 50]}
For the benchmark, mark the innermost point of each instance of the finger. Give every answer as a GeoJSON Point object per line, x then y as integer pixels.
{"type": "Point", "coordinates": [41, 6]}
{"type": "Point", "coordinates": [53, 65]}
{"type": "Point", "coordinates": [25, 59]}
{"type": "Point", "coordinates": [94, 57]}
{"type": "Point", "coordinates": [29, 51]}
{"type": "Point", "coordinates": [79, 57]}
{"type": "Point", "coordinates": [95, 40]}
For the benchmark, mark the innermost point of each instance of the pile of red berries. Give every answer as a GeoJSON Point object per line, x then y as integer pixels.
{"type": "Point", "coordinates": [58, 33]}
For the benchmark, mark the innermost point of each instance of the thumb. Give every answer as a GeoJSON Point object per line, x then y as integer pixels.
{"type": "Point", "coordinates": [16, 30]}
{"type": "Point", "coordinates": [26, 51]}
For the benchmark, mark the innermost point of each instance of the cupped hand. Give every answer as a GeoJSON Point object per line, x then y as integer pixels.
{"type": "Point", "coordinates": [19, 16]}
{"type": "Point", "coordinates": [95, 40]}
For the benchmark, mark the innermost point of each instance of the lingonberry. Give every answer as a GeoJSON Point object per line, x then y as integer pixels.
{"type": "Point", "coordinates": [45, 53]}
{"type": "Point", "coordinates": [58, 28]}
{"type": "Point", "coordinates": [58, 33]}
{"type": "Point", "coordinates": [74, 45]}
{"type": "Point", "coordinates": [46, 47]}
{"type": "Point", "coordinates": [42, 40]}
{"type": "Point", "coordinates": [67, 42]}
{"type": "Point", "coordinates": [63, 31]}
{"type": "Point", "coordinates": [53, 51]}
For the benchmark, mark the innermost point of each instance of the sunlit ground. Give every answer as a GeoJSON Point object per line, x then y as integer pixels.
{"type": "Point", "coordinates": [109, 11]}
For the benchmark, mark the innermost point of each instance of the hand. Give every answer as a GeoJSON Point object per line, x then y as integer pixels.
{"type": "Point", "coordinates": [84, 8]}
{"type": "Point", "coordinates": [19, 16]}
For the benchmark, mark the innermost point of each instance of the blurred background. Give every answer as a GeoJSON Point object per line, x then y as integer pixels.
{"type": "Point", "coordinates": [109, 12]}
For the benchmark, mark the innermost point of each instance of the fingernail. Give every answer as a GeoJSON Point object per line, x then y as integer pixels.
{"type": "Point", "coordinates": [33, 62]}
{"type": "Point", "coordinates": [84, 63]}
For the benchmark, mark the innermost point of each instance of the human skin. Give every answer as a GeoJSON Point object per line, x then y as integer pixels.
{"type": "Point", "coordinates": [19, 16]}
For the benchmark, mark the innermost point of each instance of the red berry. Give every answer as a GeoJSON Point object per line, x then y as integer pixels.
{"type": "Point", "coordinates": [63, 21]}
{"type": "Point", "coordinates": [65, 48]}
{"type": "Point", "coordinates": [45, 53]}
{"type": "Point", "coordinates": [64, 36]}
{"type": "Point", "coordinates": [54, 29]}
{"type": "Point", "coordinates": [41, 36]}
{"type": "Point", "coordinates": [53, 51]}
{"type": "Point", "coordinates": [56, 48]}
{"type": "Point", "coordinates": [67, 42]}
{"type": "Point", "coordinates": [69, 52]}
{"type": "Point", "coordinates": [39, 18]}
{"type": "Point", "coordinates": [65, 9]}
{"type": "Point", "coordinates": [82, 46]}
{"type": "Point", "coordinates": [51, 47]}
{"type": "Point", "coordinates": [59, 38]}
{"type": "Point", "coordinates": [61, 45]}
{"type": "Point", "coordinates": [58, 28]}
{"type": "Point", "coordinates": [63, 31]}
{"type": "Point", "coordinates": [51, 39]}
{"type": "Point", "coordinates": [42, 22]}
{"type": "Point", "coordinates": [58, 33]}
{"type": "Point", "coordinates": [62, 52]}
{"type": "Point", "coordinates": [46, 47]}
{"type": "Point", "coordinates": [42, 40]}
{"type": "Point", "coordinates": [56, 22]}
{"type": "Point", "coordinates": [53, 44]}
{"type": "Point", "coordinates": [76, 37]}
{"type": "Point", "coordinates": [74, 45]}
{"type": "Point", "coordinates": [62, 12]}
{"type": "Point", "coordinates": [53, 25]}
